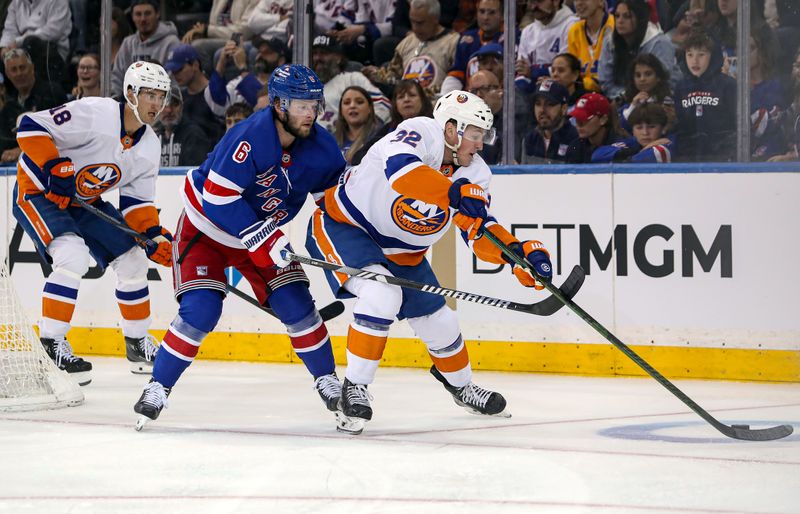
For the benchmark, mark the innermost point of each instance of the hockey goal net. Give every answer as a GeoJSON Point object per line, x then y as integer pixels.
{"type": "Point", "coordinates": [29, 380]}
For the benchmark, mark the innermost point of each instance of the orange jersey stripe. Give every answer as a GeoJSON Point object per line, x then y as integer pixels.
{"type": "Point", "coordinates": [487, 251]}
{"type": "Point", "coordinates": [136, 311]}
{"type": "Point", "coordinates": [407, 259]}
{"type": "Point", "coordinates": [326, 246]}
{"type": "Point", "coordinates": [364, 345]}
{"type": "Point", "coordinates": [453, 363]}
{"type": "Point", "coordinates": [426, 184]}
{"type": "Point", "coordinates": [61, 311]}
{"type": "Point", "coordinates": [39, 148]}
{"type": "Point", "coordinates": [26, 185]}
{"type": "Point", "coordinates": [142, 218]}
{"type": "Point", "coordinates": [332, 206]}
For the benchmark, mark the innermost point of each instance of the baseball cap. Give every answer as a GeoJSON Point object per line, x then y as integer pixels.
{"type": "Point", "coordinates": [589, 106]}
{"type": "Point", "coordinates": [181, 55]}
{"type": "Point", "coordinates": [552, 91]}
{"type": "Point", "coordinates": [155, 3]}
{"type": "Point", "coordinates": [276, 44]}
{"type": "Point", "coordinates": [495, 49]}
{"type": "Point", "coordinates": [328, 43]}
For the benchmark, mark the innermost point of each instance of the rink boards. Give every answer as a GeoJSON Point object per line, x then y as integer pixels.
{"type": "Point", "coordinates": [694, 266]}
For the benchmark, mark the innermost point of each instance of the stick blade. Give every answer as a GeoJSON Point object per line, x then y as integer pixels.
{"type": "Point", "coordinates": [746, 433]}
{"type": "Point", "coordinates": [331, 310]}
{"type": "Point", "coordinates": [569, 289]}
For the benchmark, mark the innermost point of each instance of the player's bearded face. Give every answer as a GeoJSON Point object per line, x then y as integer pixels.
{"type": "Point", "coordinates": [300, 117]}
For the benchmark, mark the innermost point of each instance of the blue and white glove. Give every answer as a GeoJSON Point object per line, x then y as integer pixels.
{"type": "Point", "coordinates": [266, 242]}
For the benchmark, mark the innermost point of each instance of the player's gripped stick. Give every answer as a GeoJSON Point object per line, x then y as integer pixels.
{"type": "Point", "coordinates": [733, 431]}
{"type": "Point", "coordinates": [328, 312]}
{"type": "Point", "coordinates": [545, 307]}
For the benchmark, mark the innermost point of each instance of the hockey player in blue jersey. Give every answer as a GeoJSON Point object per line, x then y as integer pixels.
{"type": "Point", "coordinates": [256, 179]}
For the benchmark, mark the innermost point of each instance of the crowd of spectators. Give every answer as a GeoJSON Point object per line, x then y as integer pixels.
{"type": "Point", "coordinates": [596, 80]}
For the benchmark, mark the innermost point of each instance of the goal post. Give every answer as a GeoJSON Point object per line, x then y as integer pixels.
{"type": "Point", "coordinates": [29, 380]}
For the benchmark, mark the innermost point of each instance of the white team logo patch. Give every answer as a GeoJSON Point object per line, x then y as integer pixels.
{"type": "Point", "coordinates": [202, 271]}
{"type": "Point", "coordinates": [241, 152]}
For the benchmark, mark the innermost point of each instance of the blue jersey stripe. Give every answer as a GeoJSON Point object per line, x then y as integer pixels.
{"type": "Point", "coordinates": [397, 162]}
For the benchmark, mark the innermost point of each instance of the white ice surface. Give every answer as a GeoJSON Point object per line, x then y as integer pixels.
{"type": "Point", "coordinates": [255, 438]}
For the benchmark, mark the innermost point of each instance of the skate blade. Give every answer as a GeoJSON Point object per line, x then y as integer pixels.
{"type": "Point", "coordinates": [502, 414]}
{"type": "Point", "coordinates": [82, 377]}
{"type": "Point", "coordinates": [141, 368]}
{"type": "Point", "coordinates": [141, 422]}
{"type": "Point", "coordinates": [348, 425]}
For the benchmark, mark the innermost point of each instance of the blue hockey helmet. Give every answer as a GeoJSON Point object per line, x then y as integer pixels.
{"type": "Point", "coordinates": [294, 82]}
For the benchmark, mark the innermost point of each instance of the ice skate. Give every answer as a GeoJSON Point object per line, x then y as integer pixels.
{"type": "Point", "coordinates": [330, 390]}
{"type": "Point", "coordinates": [141, 353]}
{"type": "Point", "coordinates": [475, 399]}
{"type": "Point", "coordinates": [355, 409]}
{"type": "Point", "coordinates": [153, 399]}
{"type": "Point", "coordinates": [60, 351]}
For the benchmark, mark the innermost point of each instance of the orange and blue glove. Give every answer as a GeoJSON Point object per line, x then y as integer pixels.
{"type": "Point", "coordinates": [60, 187]}
{"type": "Point", "coordinates": [470, 201]}
{"type": "Point", "coordinates": [160, 250]}
{"type": "Point", "coordinates": [538, 257]}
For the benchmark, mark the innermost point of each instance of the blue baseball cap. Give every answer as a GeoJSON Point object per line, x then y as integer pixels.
{"type": "Point", "coordinates": [552, 91]}
{"type": "Point", "coordinates": [180, 56]}
{"type": "Point", "coordinates": [495, 49]}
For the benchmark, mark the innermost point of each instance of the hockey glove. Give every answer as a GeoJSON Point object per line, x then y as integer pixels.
{"type": "Point", "coordinates": [539, 259]}
{"type": "Point", "coordinates": [265, 242]}
{"type": "Point", "coordinates": [470, 201]}
{"type": "Point", "coordinates": [161, 251]}
{"type": "Point", "coordinates": [60, 186]}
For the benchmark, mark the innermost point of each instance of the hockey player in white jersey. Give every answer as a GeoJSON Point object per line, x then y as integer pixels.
{"type": "Point", "coordinates": [384, 215]}
{"type": "Point", "coordinates": [85, 149]}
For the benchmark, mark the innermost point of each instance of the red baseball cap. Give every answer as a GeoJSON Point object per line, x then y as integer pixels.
{"type": "Point", "coordinates": [589, 106]}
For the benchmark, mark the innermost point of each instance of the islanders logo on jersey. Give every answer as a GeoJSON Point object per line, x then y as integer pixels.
{"type": "Point", "coordinates": [417, 217]}
{"type": "Point", "coordinates": [95, 179]}
{"type": "Point", "coordinates": [422, 69]}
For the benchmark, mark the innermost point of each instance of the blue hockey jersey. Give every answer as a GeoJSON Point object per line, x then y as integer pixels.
{"type": "Point", "coordinates": [248, 177]}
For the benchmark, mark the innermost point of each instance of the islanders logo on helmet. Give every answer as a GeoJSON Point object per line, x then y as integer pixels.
{"type": "Point", "coordinates": [417, 217]}
{"type": "Point", "coordinates": [95, 179]}
{"type": "Point", "coordinates": [462, 98]}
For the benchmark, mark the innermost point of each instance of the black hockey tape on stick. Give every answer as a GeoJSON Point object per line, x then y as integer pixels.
{"type": "Point", "coordinates": [733, 431]}
{"type": "Point", "coordinates": [326, 313]}
{"type": "Point", "coordinates": [546, 307]}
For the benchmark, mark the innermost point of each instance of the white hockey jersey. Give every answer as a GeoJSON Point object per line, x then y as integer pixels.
{"type": "Point", "coordinates": [540, 44]}
{"type": "Point", "coordinates": [403, 226]}
{"type": "Point", "coordinates": [90, 133]}
{"type": "Point", "coordinates": [333, 93]}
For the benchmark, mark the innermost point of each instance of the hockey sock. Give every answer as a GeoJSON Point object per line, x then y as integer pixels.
{"type": "Point", "coordinates": [309, 336]}
{"type": "Point", "coordinates": [366, 340]}
{"type": "Point", "coordinates": [58, 302]}
{"type": "Point", "coordinates": [198, 314]}
{"type": "Point", "coordinates": [133, 295]}
{"type": "Point", "coordinates": [442, 336]}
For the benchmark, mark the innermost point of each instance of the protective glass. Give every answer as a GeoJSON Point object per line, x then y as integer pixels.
{"type": "Point", "coordinates": [476, 135]}
{"type": "Point", "coordinates": [306, 107]}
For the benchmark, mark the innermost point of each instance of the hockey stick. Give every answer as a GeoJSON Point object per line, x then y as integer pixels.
{"type": "Point", "coordinates": [545, 307]}
{"type": "Point", "coordinates": [733, 431]}
{"type": "Point", "coordinates": [327, 313]}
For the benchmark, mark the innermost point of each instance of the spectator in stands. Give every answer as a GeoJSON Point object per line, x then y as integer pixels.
{"type": "Point", "coordinates": [792, 118]}
{"type": "Point", "coordinates": [360, 24]}
{"type": "Point", "coordinates": [541, 41]}
{"type": "Point", "coordinates": [183, 143]}
{"type": "Point", "coordinates": [271, 19]}
{"type": "Point", "coordinates": [357, 122]}
{"type": "Point", "coordinates": [425, 54]}
{"type": "Point", "coordinates": [153, 39]}
{"type": "Point", "coordinates": [236, 113]}
{"type": "Point", "coordinates": [705, 102]}
{"type": "Point", "coordinates": [724, 31]}
{"type": "Point", "coordinates": [88, 77]}
{"type": "Point", "coordinates": [553, 134]}
{"type": "Point", "coordinates": [566, 70]}
{"type": "Point", "coordinates": [633, 35]}
{"type": "Point", "coordinates": [585, 38]}
{"type": "Point", "coordinates": [692, 16]}
{"type": "Point", "coordinates": [120, 29]}
{"type": "Point", "coordinates": [768, 98]}
{"type": "Point", "coordinates": [184, 65]}
{"type": "Point", "coordinates": [226, 19]}
{"type": "Point", "coordinates": [42, 28]}
{"type": "Point", "coordinates": [273, 52]}
{"type": "Point", "coordinates": [648, 82]}
{"type": "Point", "coordinates": [597, 125]}
{"type": "Point", "coordinates": [26, 94]}
{"type": "Point", "coordinates": [329, 62]}
{"type": "Point", "coordinates": [489, 57]}
{"type": "Point", "coordinates": [409, 101]}
{"type": "Point", "coordinates": [485, 85]}
{"type": "Point", "coordinates": [489, 30]}
{"type": "Point", "coordinates": [649, 143]}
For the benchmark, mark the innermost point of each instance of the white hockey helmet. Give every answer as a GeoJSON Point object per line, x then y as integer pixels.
{"type": "Point", "coordinates": [142, 74]}
{"type": "Point", "coordinates": [465, 109]}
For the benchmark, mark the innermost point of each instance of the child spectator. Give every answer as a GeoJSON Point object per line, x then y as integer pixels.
{"type": "Point", "coordinates": [553, 134]}
{"type": "Point", "coordinates": [566, 70]}
{"type": "Point", "coordinates": [633, 35]}
{"type": "Point", "coordinates": [648, 143]}
{"type": "Point", "coordinates": [88, 77]}
{"type": "Point", "coordinates": [705, 101]}
{"type": "Point", "coordinates": [648, 82]}
{"type": "Point", "coordinates": [597, 125]}
{"type": "Point", "coordinates": [585, 38]}
{"type": "Point", "coordinates": [357, 122]}
{"type": "Point", "coordinates": [236, 113]}
{"type": "Point", "coordinates": [768, 99]}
